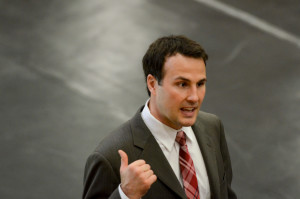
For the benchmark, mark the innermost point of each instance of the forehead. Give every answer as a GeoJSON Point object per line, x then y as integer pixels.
{"type": "Point", "coordinates": [188, 67]}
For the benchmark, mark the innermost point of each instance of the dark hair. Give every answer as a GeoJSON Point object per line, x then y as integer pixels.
{"type": "Point", "coordinates": [164, 47]}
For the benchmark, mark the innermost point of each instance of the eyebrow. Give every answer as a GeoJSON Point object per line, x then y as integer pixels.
{"type": "Point", "coordinates": [185, 79]}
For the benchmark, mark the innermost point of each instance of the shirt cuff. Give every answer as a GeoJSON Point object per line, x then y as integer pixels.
{"type": "Point", "coordinates": [122, 194]}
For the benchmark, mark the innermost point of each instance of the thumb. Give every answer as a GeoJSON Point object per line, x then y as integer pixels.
{"type": "Point", "coordinates": [124, 160]}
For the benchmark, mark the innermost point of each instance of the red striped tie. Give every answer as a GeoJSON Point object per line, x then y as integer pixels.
{"type": "Point", "coordinates": [187, 168]}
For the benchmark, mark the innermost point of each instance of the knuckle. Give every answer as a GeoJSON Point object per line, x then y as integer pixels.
{"type": "Point", "coordinates": [130, 167]}
{"type": "Point", "coordinates": [137, 171]}
{"type": "Point", "coordinates": [144, 181]}
{"type": "Point", "coordinates": [145, 186]}
{"type": "Point", "coordinates": [143, 162]}
{"type": "Point", "coordinates": [133, 169]}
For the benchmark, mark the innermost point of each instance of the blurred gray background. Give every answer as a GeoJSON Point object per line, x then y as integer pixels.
{"type": "Point", "coordinates": [70, 72]}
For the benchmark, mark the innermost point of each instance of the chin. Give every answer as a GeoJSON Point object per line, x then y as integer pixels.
{"type": "Point", "coordinates": [190, 122]}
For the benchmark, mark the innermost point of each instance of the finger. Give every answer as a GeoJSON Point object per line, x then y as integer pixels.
{"type": "Point", "coordinates": [145, 167]}
{"type": "Point", "coordinates": [138, 163]}
{"type": "Point", "coordinates": [124, 160]}
{"type": "Point", "coordinates": [152, 179]}
{"type": "Point", "coordinates": [148, 174]}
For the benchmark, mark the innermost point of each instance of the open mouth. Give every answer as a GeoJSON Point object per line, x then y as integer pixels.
{"type": "Point", "coordinates": [188, 109]}
{"type": "Point", "coordinates": [188, 112]}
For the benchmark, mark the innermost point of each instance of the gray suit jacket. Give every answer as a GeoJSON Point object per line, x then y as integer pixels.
{"type": "Point", "coordinates": [102, 177]}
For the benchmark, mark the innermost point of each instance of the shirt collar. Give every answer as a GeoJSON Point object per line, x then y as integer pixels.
{"type": "Point", "coordinates": [163, 133]}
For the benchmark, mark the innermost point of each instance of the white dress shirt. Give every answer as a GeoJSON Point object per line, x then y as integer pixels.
{"type": "Point", "coordinates": [165, 137]}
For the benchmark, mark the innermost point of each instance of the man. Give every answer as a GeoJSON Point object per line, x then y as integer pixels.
{"type": "Point", "coordinates": [169, 149]}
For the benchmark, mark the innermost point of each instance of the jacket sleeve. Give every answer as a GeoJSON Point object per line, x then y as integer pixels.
{"type": "Point", "coordinates": [100, 179]}
{"type": "Point", "coordinates": [226, 162]}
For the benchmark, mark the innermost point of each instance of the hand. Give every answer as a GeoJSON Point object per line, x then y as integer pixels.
{"type": "Point", "coordinates": [136, 178]}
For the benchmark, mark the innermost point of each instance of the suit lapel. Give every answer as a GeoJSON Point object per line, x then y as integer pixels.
{"type": "Point", "coordinates": [150, 151]}
{"type": "Point", "coordinates": [209, 156]}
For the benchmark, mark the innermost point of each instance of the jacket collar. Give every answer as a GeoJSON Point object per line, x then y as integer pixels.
{"type": "Point", "coordinates": [152, 154]}
{"type": "Point", "coordinates": [209, 155]}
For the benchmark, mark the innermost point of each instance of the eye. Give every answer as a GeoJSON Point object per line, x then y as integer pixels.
{"type": "Point", "coordinates": [182, 84]}
{"type": "Point", "coordinates": [201, 83]}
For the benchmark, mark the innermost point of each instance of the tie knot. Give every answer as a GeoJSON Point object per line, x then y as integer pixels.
{"type": "Point", "coordinates": [181, 138]}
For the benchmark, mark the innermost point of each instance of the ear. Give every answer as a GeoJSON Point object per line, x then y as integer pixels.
{"type": "Point", "coordinates": [152, 84]}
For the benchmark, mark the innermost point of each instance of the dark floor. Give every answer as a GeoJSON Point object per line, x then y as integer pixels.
{"type": "Point", "coordinates": [70, 71]}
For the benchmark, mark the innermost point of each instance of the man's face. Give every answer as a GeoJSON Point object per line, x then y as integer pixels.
{"type": "Point", "coordinates": [177, 100]}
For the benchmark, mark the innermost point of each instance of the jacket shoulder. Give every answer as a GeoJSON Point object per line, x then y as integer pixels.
{"type": "Point", "coordinates": [115, 140]}
{"type": "Point", "coordinates": [209, 123]}
{"type": "Point", "coordinates": [207, 117]}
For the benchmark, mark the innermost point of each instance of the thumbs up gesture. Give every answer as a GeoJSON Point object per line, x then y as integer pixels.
{"type": "Point", "coordinates": [136, 178]}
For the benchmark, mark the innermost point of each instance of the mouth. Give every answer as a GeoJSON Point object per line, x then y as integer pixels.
{"type": "Point", "coordinates": [188, 111]}
{"type": "Point", "coordinates": [191, 109]}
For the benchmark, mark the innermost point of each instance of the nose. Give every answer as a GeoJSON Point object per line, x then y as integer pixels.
{"type": "Point", "coordinates": [193, 95]}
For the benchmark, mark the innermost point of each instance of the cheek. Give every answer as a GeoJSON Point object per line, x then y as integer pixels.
{"type": "Point", "coordinates": [163, 100]}
{"type": "Point", "coordinates": [176, 100]}
{"type": "Point", "coordinates": [170, 100]}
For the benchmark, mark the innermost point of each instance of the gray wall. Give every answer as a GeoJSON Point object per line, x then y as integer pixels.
{"type": "Point", "coordinates": [70, 72]}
